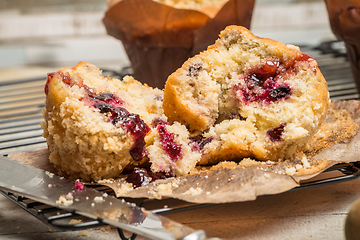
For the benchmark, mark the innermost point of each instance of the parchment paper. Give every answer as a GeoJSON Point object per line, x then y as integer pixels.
{"type": "Point", "coordinates": [235, 182]}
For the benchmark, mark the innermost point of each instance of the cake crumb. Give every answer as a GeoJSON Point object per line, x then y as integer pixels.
{"type": "Point", "coordinates": [193, 191]}
{"type": "Point", "coordinates": [50, 175]}
{"type": "Point", "coordinates": [290, 171]}
{"type": "Point", "coordinates": [305, 162]}
{"type": "Point", "coordinates": [99, 199]}
{"type": "Point", "coordinates": [75, 221]}
{"type": "Point", "coordinates": [63, 200]}
{"type": "Point", "coordinates": [83, 233]}
{"type": "Point", "coordinates": [298, 166]}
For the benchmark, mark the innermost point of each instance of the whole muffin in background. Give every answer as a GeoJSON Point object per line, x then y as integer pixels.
{"type": "Point", "coordinates": [160, 35]}
{"type": "Point", "coordinates": [344, 16]}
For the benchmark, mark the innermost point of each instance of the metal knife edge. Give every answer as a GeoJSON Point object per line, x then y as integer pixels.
{"type": "Point", "coordinates": [27, 181]}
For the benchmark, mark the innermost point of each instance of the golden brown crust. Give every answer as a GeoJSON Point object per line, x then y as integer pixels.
{"type": "Point", "coordinates": [178, 110]}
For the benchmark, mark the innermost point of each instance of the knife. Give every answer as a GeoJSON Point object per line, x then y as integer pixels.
{"type": "Point", "coordinates": [39, 185]}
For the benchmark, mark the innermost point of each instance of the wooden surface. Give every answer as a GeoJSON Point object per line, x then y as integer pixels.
{"type": "Point", "coordinates": [315, 213]}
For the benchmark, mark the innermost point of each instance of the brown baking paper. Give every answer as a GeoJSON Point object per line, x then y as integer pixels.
{"type": "Point", "coordinates": [236, 182]}
{"type": "Point", "coordinates": [344, 16]}
{"type": "Point", "coordinates": [158, 38]}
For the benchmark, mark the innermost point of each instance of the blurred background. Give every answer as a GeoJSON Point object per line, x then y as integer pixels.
{"type": "Point", "coordinates": [60, 33]}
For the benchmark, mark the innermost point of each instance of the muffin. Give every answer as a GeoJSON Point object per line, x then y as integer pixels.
{"type": "Point", "coordinates": [160, 35]}
{"type": "Point", "coordinates": [247, 96]}
{"type": "Point", "coordinates": [96, 126]}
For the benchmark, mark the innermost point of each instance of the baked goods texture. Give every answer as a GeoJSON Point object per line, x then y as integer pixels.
{"type": "Point", "coordinates": [247, 96]}
{"type": "Point", "coordinates": [96, 126]}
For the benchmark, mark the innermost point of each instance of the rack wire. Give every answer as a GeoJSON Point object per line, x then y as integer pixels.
{"type": "Point", "coordinates": [22, 101]}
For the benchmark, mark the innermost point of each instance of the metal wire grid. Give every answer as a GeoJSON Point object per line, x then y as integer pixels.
{"type": "Point", "coordinates": [22, 101]}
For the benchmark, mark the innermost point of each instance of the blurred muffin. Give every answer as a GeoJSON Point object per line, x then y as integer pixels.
{"type": "Point", "coordinates": [344, 18]}
{"type": "Point", "coordinates": [160, 35]}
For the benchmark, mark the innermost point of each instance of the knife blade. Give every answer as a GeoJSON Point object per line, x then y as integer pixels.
{"type": "Point", "coordinates": [39, 185]}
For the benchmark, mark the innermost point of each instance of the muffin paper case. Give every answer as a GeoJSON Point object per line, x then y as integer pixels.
{"type": "Point", "coordinates": [158, 38]}
{"type": "Point", "coordinates": [344, 18]}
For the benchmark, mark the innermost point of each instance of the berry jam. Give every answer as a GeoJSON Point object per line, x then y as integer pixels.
{"type": "Point", "coordinates": [79, 185]}
{"type": "Point", "coordinates": [48, 78]}
{"type": "Point", "coordinates": [110, 105]}
{"type": "Point", "coordinates": [167, 142]}
{"type": "Point", "coordinates": [141, 177]}
{"type": "Point", "coordinates": [276, 133]}
{"type": "Point", "coordinates": [264, 83]}
{"type": "Point", "coordinates": [198, 143]}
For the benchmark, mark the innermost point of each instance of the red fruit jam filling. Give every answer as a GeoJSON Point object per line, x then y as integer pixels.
{"type": "Point", "coordinates": [79, 185]}
{"type": "Point", "coordinates": [110, 105]}
{"type": "Point", "coordinates": [265, 83]}
{"type": "Point", "coordinates": [141, 177]}
{"type": "Point", "coordinates": [66, 78]}
{"type": "Point", "coordinates": [167, 142]}
{"type": "Point", "coordinates": [198, 143]}
{"type": "Point", "coordinates": [276, 133]}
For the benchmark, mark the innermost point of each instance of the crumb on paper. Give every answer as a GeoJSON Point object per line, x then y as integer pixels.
{"type": "Point", "coordinates": [83, 233]}
{"type": "Point", "coordinates": [165, 188]}
{"type": "Point", "coordinates": [104, 181]}
{"type": "Point", "coordinates": [75, 221]}
{"type": "Point", "coordinates": [193, 191]}
{"type": "Point", "coordinates": [125, 187]}
{"type": "Point", "coordinates": [298, 166]}
{"type": "Point", "coordinates": [64, 200]}
{"type": "Point", "coordinates": [290, 171]}
{"type": "Point", "coordinates": [99, 199]}
{"type": "Point", "coordinates": [50, 175]}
